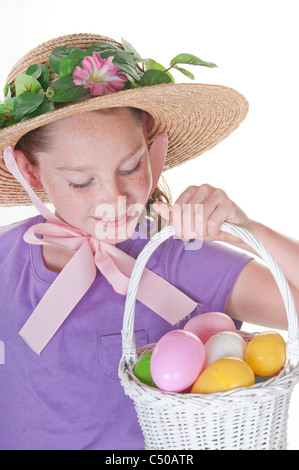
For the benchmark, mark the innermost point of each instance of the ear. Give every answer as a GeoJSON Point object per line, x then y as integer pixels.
{"type": "Point", "coordinates": [29, 171]}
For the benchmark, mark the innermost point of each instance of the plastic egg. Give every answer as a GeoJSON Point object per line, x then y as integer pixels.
{"type": "Point", "coordinates": [177, 360]}
{"type": "Point", "coordinates": [266, 353]}
{"type": "Point", "coordinates": [142, 369]}
{"type": "Point", "coordinates": [208, 324]}
{"type": "Point", "coordinates": [224, 375]}
{"type": "Point", "coordinates": [224, 344]}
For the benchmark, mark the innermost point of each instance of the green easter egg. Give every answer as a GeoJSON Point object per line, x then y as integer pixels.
{"type": "Point", "coordinates": [142, 369]}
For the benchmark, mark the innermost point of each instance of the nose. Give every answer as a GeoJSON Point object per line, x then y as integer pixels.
{"type": "Point", "coordinates": [112, 201]}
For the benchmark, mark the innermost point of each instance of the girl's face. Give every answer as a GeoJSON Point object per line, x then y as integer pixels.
{"type": "Point", "coordinates": [97, 172]}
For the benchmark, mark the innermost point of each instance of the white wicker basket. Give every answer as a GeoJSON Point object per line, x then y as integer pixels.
{"type": "Point", "coordinates": [246, 418]}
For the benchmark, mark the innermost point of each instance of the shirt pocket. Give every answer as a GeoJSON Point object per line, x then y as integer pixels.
{"type": "Point", "coordinates": [110, 351]}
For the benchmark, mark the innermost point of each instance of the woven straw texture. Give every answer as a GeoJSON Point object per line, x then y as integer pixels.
{"type": "Point", "coordinates": [197, 117]}
{"type": "Point", "coordinates": [247, 418]}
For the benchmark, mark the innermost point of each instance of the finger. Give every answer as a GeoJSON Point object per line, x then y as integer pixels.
{"type": "Point", "coordinates": [225, 212]}
{"type": "Point", "coordinates": [214, 209]}
{"type": "Point", "coordinates": [195, 194]}
{"type": "Point", "coordinates": [216, 218]}
{"type": "Point", "coordinates": [164, 209]}
{"type": "Point", "coordinates": [192, 221]}
{"type": "Point", "coordinates": [174, 215]}
{"type": "Point", "coordinates": [188, 220]}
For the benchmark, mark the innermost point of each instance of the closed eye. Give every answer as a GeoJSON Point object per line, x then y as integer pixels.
{"type": "Point", "coordinates": [122, 172]}
{"type": "Point", "coordinates": [80, 185]}
{"type": "Point", "coordinates": [130, 172]}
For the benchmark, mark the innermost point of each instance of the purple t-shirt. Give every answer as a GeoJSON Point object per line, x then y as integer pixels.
{"type": "Point", "coordinates": [70, 396]}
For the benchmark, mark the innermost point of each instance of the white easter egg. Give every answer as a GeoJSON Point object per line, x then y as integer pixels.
{"type": "Point", "coordinates": [224, 344]}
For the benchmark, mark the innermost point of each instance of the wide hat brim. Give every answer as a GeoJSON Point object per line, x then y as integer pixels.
{"type": "Point", "coordinates": [196, 117]}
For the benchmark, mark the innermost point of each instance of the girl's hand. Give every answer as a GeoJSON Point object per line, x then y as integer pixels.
{"type": "Point", "coordinates": [199, 211]}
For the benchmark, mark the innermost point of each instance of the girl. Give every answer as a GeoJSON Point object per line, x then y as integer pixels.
{"type": "Point", "coordinates": [98, 160]}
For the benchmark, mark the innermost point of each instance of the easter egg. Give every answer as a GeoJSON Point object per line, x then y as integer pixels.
{"type": "Point", "coordinates": [224, 375]}
{"type": "Point", "coordinates": [142, 369]}
{"type": "Point", "coordinates": [266, 353]}
{"type": "Point", "coordinates": [177, 360]}
{"type": "Point", "coordinates": [208, 324]}
{"type": "Point", "coordinates": [224, 344]}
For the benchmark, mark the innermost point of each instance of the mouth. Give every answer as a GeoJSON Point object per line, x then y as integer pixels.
{"type": "Point", "coordinates": [114, 222]}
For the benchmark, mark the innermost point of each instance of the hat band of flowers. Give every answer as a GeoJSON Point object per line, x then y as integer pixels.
{"type": "Point", "coordinates": [80, 73]}
{"type": "Point", "coordinates": [102, 69]}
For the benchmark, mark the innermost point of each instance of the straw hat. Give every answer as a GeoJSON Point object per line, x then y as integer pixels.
{"type": "Point", "coordinates": [197, 117]}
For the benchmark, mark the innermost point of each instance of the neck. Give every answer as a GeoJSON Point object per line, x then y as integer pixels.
{"type": "Point", "coordinates": [56, 258]}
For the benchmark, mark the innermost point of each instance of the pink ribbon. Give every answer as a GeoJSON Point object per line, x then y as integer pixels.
{"type": "Point", "coordinates": [79, 273]}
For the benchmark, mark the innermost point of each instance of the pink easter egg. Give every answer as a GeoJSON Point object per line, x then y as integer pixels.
{"type": "Point", "coordinates": [177, 360]}
{"type": "Point", "coordinates": [208, 324]}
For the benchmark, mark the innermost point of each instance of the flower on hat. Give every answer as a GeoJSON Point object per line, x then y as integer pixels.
{"type": "Point", "coordinates": [101, 69]}
{"type": "Point", "coordinates": [101, 76]}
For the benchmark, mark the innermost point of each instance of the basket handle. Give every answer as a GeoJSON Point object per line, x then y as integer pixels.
{"type": "Point", "coordinates": [128, 340]}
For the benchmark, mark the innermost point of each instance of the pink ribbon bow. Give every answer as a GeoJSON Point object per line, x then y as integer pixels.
{"type": "Point", "coordinates": [79, 273]}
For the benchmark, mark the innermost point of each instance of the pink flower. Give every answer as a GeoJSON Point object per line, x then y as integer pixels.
{"type": "Point", "coordinates": [100, 75]}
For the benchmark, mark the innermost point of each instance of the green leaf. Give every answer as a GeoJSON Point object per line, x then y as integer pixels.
{"type": "Point", "coordinates": [129, 48]}
{"type": "Point", "coordinates": [26, 103]}
{"type": "Point", "coordinates": [154, 77]}
{"type": "Point", "coordinates": [130, 85]}
{"type": "Point", "coordinates": [26, 83]}
{"type": "Point", "coordinates": [107, 53]}
{"type": "Point", "coordinates": [68, 64]}
{"type": "Point", "coordinates": [7, 91]}
{"type": "Point", "coordinates": [64, 90]}
{"type": "Point", "coordinates": [103, 46]}
{"type": "Point", "coordinates": [7, 113]}
{"type": "Point", "coordinates": [190, 59]}
{"type": "Point", "coordinates": [9, 122]}
{"type": "Point", "coordinates": [58, 54]}
{"type": "Point", "coordinates": [185, 72]}
{"type": "Point", "coordinates": [45, 107]}
{"type": "Point", "coordinates": [126, 63]}
{"type": "Point", "coordinates": [151, 64]}
{"type": "Point", "coordinates": [104, 53]}
{"type": "Point", "coordinates": [41, 73]}
{"type": "Point", "coordinates": [7, 108]}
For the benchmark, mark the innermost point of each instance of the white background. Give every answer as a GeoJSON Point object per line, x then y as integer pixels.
{"type": "Point", "coordinates": [255, 45]}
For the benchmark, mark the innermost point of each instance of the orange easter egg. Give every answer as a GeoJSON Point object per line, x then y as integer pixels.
{"type": "Point", "coordinates": [266, 353]}
{"type": "Point", "coordinates": [224, 375]}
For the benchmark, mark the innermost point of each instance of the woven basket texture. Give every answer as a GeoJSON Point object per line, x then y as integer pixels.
{"type": "Point", "coordinates": [249, 418]}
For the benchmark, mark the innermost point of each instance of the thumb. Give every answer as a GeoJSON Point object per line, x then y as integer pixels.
{"type": "Point", "coordinates": [164, 209]}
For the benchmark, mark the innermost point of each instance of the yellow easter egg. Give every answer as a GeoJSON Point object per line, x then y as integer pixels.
{"type": "Point", "coordinates": [224, 375]}
{"type": "Point", "coordinates": [266, 353]}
